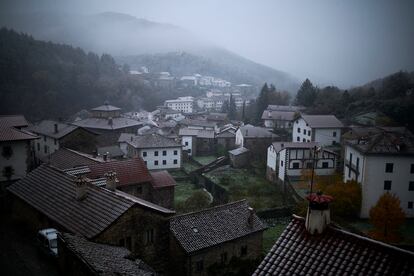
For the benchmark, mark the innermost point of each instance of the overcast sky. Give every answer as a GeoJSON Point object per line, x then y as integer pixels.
{"type": "Point", "coordinates": [343, 43]}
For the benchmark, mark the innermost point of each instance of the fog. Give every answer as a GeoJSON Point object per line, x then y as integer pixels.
{"type": "Point", "coordinates": [343, 43]}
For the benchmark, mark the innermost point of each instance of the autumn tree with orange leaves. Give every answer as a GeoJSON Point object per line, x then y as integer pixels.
{"type": "Point", "coordinates": [387, 217]}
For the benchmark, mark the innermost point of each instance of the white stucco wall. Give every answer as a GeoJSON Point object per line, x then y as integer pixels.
{"type": "Point", "coordinates": [299, 129]}
{"type": "Point", "coordinates": [325, 136]}
{"type": "Point", "coordinates": [187, 143]}
{"type": "Point", "coordinates": [169, 158]}
{"type": "Point", "coordinates": [271, 157]}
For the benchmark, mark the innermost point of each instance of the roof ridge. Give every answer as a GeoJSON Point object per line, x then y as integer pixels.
{"type": "Point", "coordinates": [338, 228]}
{"type": "Point", "coordinates": [211, 208]}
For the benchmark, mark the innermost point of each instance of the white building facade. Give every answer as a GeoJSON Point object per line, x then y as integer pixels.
{"type": "Point", "coordinates": [289, 159]}
{"type": "Point", "coordinates": [323, 129]}
{"type": "Point", "coordinates": [183, 104]}
{"type": "Point", "coordinates": [379, 174]}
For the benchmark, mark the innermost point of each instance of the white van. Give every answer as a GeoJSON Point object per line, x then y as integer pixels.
{"type": "Point", "coordinates": [47, 239]}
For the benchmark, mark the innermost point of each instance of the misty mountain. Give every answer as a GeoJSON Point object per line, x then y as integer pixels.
{"type": "Point", "coordinates": [132, 40]}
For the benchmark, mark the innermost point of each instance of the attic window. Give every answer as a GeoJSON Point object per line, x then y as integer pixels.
{"type": "Point", "coordinates": [195, 230]}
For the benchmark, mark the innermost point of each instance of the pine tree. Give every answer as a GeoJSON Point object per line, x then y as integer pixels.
{"type": "Point", "coordinates": [232, 112]}
{"type": "Point", "coordinates": [307, 93]}
{"type": "Point", "coordinates": [262, 102]}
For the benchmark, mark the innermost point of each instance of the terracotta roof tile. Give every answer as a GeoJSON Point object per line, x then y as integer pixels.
{"type": "Point", "coordinates": [130, 171]}
{"type": "Point", "coordinates": [162, 179]}
{"type": "Point", "coordinates": [335, 252]}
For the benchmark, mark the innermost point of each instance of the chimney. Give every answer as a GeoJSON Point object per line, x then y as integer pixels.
{"type": "Point", "coordinates": [269, 113]}
{"type": "Point", "coordinates": [111, 180]}
{"type": "Point", "coordinates": [318, 215]}
{"type": "Point", "coordinates": [105, 157]}
{"type": "Point", "coordinates": [250, 219]}
{"type": "Point", "coordinates": [56, 127]}
{"type": "Point", "coordinates": [81, 184]}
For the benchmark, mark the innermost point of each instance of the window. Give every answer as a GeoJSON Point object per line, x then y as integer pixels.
{"type": "Point", "coordinates": [164, 153]}
{"type": "Point", "coordinates": [45, 149]}
{"type": "Point", "coordinates": [325, 165]}
{"type": "Point", "coordinates": [412, 168]}
{"type": "Point", "coordinates": [357, 163]}
{"type": "Point", "coordinates": [309, 133]}
{"type": "Point", "coordinates": [298, 139]}
{"type": "Point", "coordinates": [387, 185]}
{"type": "Point", "coordinates": [186, 143]}
{"type": "Point", "coordinates": [144, 154]}
{"type": "Point", "coordinates": [149, 236]}
{"type": "Point", "coordinates": [175, 152]}
{"type": "Point", "coordinates": [281, 163]}
{"type": "Point", "coordinates": [389, 167]}
{"type": "Point", "coordinates": [243, 250]}
{"type": "Point", "coordinates": [295, 165]}
{"type": "Point", "coordinates": [298, 129]}
{"type": "Point", "coordinates": [7, 152]}
{"type": "Point", "coordinates": [175, 161]}
{"type": "Point", "coordinates": [199, 266]}
{"type": "Point", "coordinates": [223, 258]}
{"type": "Point", "coordinates": [55, 141]}
{"type": "Point", "coordinates": [156, 153]}
{"type": "Point", "coordinates": [38, 146]}
{"type": "Point", "coordinates": [164, 162]}
{"type": "Point", "coordinates": [8, 171]}
{"type": "Point", "coordinates": [304, 140]}
{"type": "Point", "coordinates": [410, 205]}
{"type": "Point", "coordinates": [44, 138]}
{"type": "Point", "coordinates": [334, 134]}
{"type": "Point", "coordinates": [411, 186]}
{"type": "Point", "coordinates": [156, 163]}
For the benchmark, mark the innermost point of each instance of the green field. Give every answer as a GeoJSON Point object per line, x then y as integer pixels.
{"type": "Point", "coordinates": [204, 160]}
{"type": "Point", "coordinates": [271, 235]}
{"type": "Point", "coordinates": [244, 184]}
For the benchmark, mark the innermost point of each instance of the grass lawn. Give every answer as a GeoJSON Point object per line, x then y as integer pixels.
{"type": "Point", "coordinates": [243, 184]}
{"type": "Point", "coordinates": [177, 173]}
{"type": "Point", "coordinates": [204, 160]}
{"type": "Point", "coordinates": [271, 235]}
{"type": "Point", "coordinates": [189, 167]}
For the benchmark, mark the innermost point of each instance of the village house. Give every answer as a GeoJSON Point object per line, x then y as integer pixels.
{"type": "Point", "coordinates": [55, 135]}
{"type": "Point", "coordinates": [78, 256]}
{"type": "Point", "coordinates": [158, 152]}
{"type": "Point", "coordinates": [106, 121]}
{"type": "Point", "coordinates": [212, 237]}
{"type": "Point", "coordinates": [239, 157]}
{"type": "Point", "coordinates": [226, 137]}
{"type": "Point", "coordinates": [183, 104]}
{"type": "Point", "coordinates": [220, 118]}
{"type": "Point", "coordinates": [290, 159]}
{"type": "Point", "coordinates": [256, 139]}
{"type": "Point", "coordinates": [314, 246]}
{"type": "Point", "coordinates": [323, 129]}
{"type": "Point", "coordinates": [65, 159]}
{"type": "Point", "coordinates": [17, 157]}
{"type": "Point", "coordinates": [48, 197]}
{"type": "Point", "coordinates": [198, 124]}
{"type": "Point", "coordinates": [197, 142]}
{"type": "Point", "coordinates": [123, 141]}
{"type": "Point", "coordinates": [381, 159]}
{"type": "Point", "coordinates": [280, 116]}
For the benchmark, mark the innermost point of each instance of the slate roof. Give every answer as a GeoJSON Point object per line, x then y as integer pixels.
{"type": "Point", "coordinates": [105, 259]}
{"type": "Point", "coordinates": [250, 131]}
{"type": "Point", "coordinates": [238, 151]}
{"type": "Point", "coordinates": [334, 252]}
{"type": "Point", "coordinates": [162, 179]}
{"type": "Point", "coordinates": [206, 134]}
{"type": "Point", "coordinates": [200, 123]}
{"type": "Point", "coordinates": [153, 140]}
{"type": "Point", "coordinates": [278, 115]}
{"type": "Point", "coordinates": [214, 226]}
{"type": "Point", "coordinates": [14, 134]}
{"type": "Point", "coordinates": [294, 145]}
{"type": "Point", "coordinates": [285, 108]}
{"type": "Point", "coordinates": [17, 121]}
{"type": "Point", "coordinates": [104, 123]}
{"type": "Point", "coordinates": [124, 137]}
{"type": "Point", "coordinates": [384, 141]}
{"type": "Point", "coordinates": [52, 192]}
{"type": "Point", "coordinates": [65, 158]}
{"type": "Point", "coordinates": [322, 121]}
{"type": "Point", "coordinates": [187, 132]}
{"type": "Point", "coordinates": [113, 151]}
{"type": "Point", "coordinates": [106, 107]}
{"type": "Point", "coordinates": [128, 172]}
{"type": "Point", "coordinates": [47, 128]}
{"type": "Point", "coordinates": [228, 133]}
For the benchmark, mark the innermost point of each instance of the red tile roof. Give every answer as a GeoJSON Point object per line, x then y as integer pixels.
{"type": "Point", "coordinates": [131, 171]}
{"type": "Point", "coordinates": [334, 252]}
{"type": "Point", "coordinates": [162, 179]}
{"type": "Point", "coordinates": [9, 131]}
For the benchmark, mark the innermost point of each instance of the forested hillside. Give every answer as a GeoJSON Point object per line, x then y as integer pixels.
{"type": "Point", "coordinates": [46, 80]}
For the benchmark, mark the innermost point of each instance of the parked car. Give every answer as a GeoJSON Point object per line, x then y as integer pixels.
{"type": "Point", "coordinates": [47, 240]}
